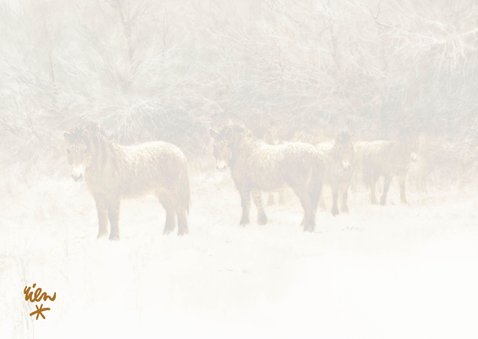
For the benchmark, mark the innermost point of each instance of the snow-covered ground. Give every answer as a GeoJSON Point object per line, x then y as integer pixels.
{"type": "Point", "coordinates": [379, 272]}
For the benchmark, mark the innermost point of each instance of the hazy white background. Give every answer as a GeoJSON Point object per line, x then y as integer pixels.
{"type": "Point", "coordinates": [171, 69]}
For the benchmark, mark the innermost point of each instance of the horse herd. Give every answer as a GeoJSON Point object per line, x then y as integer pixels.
{"type": "Point", "coordinates": [113, 172]}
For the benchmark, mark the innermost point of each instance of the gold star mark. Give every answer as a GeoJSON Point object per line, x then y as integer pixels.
{"type": "Point", "coordinates": [39, 311]}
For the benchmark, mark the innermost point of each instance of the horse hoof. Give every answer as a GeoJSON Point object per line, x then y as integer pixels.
{"type": "Point", "coordinates": [262, 220]}
{"type": "Point", "coordinates": [101, 235]}
{"type": "Point", "coordinates": [168, 229]}
{"type": "Point", "coordinates": [243, 222]}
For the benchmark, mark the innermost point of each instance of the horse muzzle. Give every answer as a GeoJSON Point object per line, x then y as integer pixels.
{"type": "Point", "coordinates": [77, 177]}
{"type": "Point", "coordinates": [78, 172]}
{"type": "Point", "coordinates": [221, 165]}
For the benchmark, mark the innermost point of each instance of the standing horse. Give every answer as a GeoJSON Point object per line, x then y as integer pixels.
{"type": "Point", "coordinates": [113, 172]}
{"type": "Point", "coordinates": [387, 159]}
{"type": "Point", "coordinates": [257, 166]}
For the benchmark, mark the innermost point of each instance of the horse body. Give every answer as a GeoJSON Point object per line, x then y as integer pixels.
{"type": "Point", "coordinates": [129, 171]}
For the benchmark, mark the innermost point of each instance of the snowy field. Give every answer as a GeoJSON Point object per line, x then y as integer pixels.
{"type": "Point", "coordinates": [379, 272]}
{"type": "Point", "coordinates": [389, 83]}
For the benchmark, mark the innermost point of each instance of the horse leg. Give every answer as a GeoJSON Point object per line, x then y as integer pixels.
{"type": "Point", "coordinates": [335, 198]}
{"type": "Point", "coordinates": [182, 221]}
{"type": "Point", "coordinates": [373, 185]}
{"type": "Point", "coordinates": [165, 200]}
{"type": "Point", "coordinates": [313, 193]}
{"type": "Point", "coordinates": [270, 199]}
{"type": "Point", "coordinates": [309, 214]}
{"type": "Point", "coordinates": [246, 206]}
{"type": "Point", "coordinates": [102, 212]}
{"type": "Point", "coordinates": [170, 222]}
{"type": "Point", "coordinates": [113, 213]}
{"type": "Point", "coordinates": [261, 215]}
{"type": "Point", "coordinates": [401, 182]}
{"type": "Point", "coordinates": [345, 198]}
{"type": "Point", "coordinates": [386, 185]}
{"type": "Point", "coordinates": [308, 221]}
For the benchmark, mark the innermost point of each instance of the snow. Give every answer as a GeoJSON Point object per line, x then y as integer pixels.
{"type": "Point", "coordinates": [378, 272]}
{"type": "Point", "coordinates": [171, 70]}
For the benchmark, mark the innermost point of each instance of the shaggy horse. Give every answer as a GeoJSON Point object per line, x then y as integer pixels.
{"type": "Point", "coordinates": [113, 172]}
{"type": "Point", "coordinates": [387, 159]}
{"type": "Point", "coordinates": [257, 166]}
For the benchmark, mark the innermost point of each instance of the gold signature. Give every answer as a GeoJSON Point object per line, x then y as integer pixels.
{"type": "Point", "coordinates": [36, 295]}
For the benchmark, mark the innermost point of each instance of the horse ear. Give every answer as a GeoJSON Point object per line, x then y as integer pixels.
{"type": "Point", "coordinates": [238, 129]}
{"type": "Point", "coordinates": [92, 127]}
{"type": "Point", "coordinates": [344, 136]}
{"type": "Point", "coordinates": [213, 133]}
